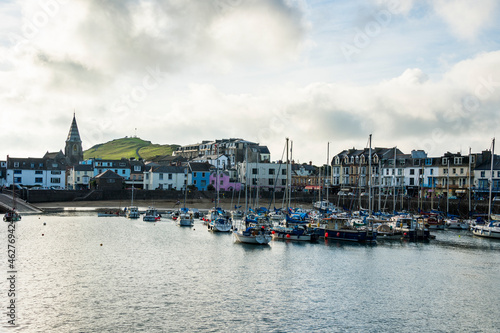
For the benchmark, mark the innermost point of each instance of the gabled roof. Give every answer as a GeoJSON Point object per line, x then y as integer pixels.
{"type": "Point", "coordinates": [108, 174]}
{"type": "Point", "coordinates": [168, 169]}
{"type": "Point", "coordinates": [83, 167]}
{"type": "Point", "coordinates": [199, 167]}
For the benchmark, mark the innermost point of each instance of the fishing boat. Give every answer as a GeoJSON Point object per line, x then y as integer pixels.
{"type": "Point", "coordinates": [254, 231]}
{"type": "Point", "coordinates": [185, 218]}
{"type": "Point", "coordinates": [412, 228]}
{"type": "Point", "coordinates": [132, 211]}
{"type": "Point", "coordinates": [151, 215]}
{"type": "Point", "coordinates": [340, 228]}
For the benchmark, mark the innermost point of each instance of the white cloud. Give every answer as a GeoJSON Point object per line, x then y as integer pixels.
{"type": "Point", "coordinates": [466, 18]}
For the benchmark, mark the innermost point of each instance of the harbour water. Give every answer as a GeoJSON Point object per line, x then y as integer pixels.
{"type": "Point", "coordinates": [80, 273]}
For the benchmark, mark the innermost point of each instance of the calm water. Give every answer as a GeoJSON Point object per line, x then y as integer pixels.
{"type": "Point", "coordinates": [157, 277]}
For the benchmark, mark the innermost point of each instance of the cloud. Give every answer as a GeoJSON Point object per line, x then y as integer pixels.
{"type": "Point", "coordinates": [466, 18]}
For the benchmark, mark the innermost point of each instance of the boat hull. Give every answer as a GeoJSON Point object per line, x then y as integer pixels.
{"type": "Point", "coordinates": [258, 239]}
{"type": "Point", "coordinates": [351, 235]}
{"type": "Point", "coordinates": [485, 231]}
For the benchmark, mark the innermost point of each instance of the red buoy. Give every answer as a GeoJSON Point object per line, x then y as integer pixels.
{"type": "Point", "coordinates": [287, 235]}
{"type": "Point", "coordinates": [404, 234]}
{"type": "Point", "coordinates": [338, 234]}
{"type": "Point", "coordinates": [326, 235]}
{"type": "Point", "coordinates": [273, 232]}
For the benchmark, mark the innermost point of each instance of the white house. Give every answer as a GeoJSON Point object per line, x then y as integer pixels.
{"type": "Point", "coordinates": [167, 178]}
{"type": "Point", "coordinates": [39, 172]}
{"type": "Point", "coordinates": [265, 175]}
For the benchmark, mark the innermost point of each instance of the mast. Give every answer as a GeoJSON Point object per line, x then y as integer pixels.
{"type": "Point", "coordinates": [491, 176]}
{"type": "Point", "coordinates": [448, 188]}
{"type": "Point", "coordinates": [470, 187]}
{"type": "Point", "coordinates": [217, 176]}
{"type": "Point", "coordinates": [394, 183]}
{"type": "Point", "coordinates": [370, 178]}
{"type": "Point", "coordinates": [246, 178]}
{"type": "Point", "coordinates": [327, 167]}
{"type": "Point", "coordinates": [379, 185]}
{"type": "Point", "coordinates": [185, 186]}
{"type": "Point", "coordinates": [289, 175]}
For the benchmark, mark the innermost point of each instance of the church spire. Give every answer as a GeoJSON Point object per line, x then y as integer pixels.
{"type": "Point", "coordinates": [73, 149]}
{"type": "Point", "coordinates": [74, 135]}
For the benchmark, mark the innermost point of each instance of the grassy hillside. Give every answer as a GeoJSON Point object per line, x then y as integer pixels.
{"type": "Point", "coordinates": [127, 148]}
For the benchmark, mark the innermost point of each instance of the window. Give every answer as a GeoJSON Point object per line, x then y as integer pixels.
{"type": "Point", "coordinates": [222, 182]}
{"type": "Point", "coordinates": [482, 174]}
{"type": "Point", "coordinates": [147, 176]}
{"type": "Point", "coordinates": [38, 172]}
{"type": "Point", "coordinates": [400, 172]}
{"type": "Point", "coordinates": [283, 172]}
{"type": "Point", "coordinates": [18, 172]}
{"type": "Point", "coordinates": [416, 162]}
{"type": "Point", "coordinates": [412, 181]}
{"type": "Point", "coordinates": [194, 174]}
{"type": "Point", "coordinates": [283, 182]}
{"type": "Point", "coordinates": [169, 176]}
{"type": "Point", "coordinates": [255, 171]}
{"type": "Point", "coordinates": [412, 172]}
{"type": "Point", "coordinates": [203, 174]}
{"type": "Point", "coordinates": [32, 165]}
{"type": "Point", "coordinates": [444, 161]}
{"type": "Point", "coordinates": [194, 182]}
{"type": "Point", "coordinates": [55, 180]}
{"type": "Point", "coordinates": [431, 171]}
{"type": "Point", "coordinates": [123, 172]}
{"type": "Point", "coordinates": [271, 171]}
{"type": "Point", "coordinates": [254, 181]}
{"type": "Point", "coordinates": [137, 168]}
{"type": "Point", "coordinates": [453, 171]}
{"type": "Point", "coordinates": [461, 171]}
{"type": "Point", "coordinates": [428, 161]}
{"type": "Point", "coordinates": [55, 172]}
{"type": "Point", "coordinates": [271, 181]}
{"type": "Point", "coordinates": [38, 180]}
{"type": "Point", "coordinates": [77, 179]}
{"type": "Point", "coordinates": [18, 180]}
{"type": "Point", "coordinates": [473, 159]}
{"type": "Point", "coordinates": [16, 164]}
{"type": "Point", "coordinates": [457, 160]}
{"type": "Point", "coordinates": [161, 176]}
{"type": "Point", "coordinates": [122, 164]}
{"type": "Point", "coordinates": [498, 173]}
{"type": "Point", "coordinates": [203, 183]}
{"type": "Point", "coordinates": [445, 171]}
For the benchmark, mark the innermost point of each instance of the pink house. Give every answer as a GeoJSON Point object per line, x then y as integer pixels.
{"type": "Point", "coordinates": [225, 183]}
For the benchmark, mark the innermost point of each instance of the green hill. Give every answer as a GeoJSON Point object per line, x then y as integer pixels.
{"type": "Point", "coordinates": [127, 148]}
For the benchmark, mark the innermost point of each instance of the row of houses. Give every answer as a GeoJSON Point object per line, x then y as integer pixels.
{"type": "Point", "coordinates": [392, 171]}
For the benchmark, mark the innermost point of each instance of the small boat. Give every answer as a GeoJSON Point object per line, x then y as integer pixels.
{"type": "Point", "coordinates": [388, 232]}
{"type": "Point", "coordinates": [219, 221]}
{"type": "Point", "coordinates": [489, 230]}
{"type": "Point", "coordinates": [295, 233]}
{"type": "Point", "coordinates": [151, 215]}
{"type": "Point", "coordinates": [454, 223]}
{"type": "Point", "coordinates": [185, 218]}
{"type": "Point", "coordinates": [12, 216]}
{"type": "Point", "coordinates": [340, 228]}
{"type": "Point", "coordinates": [254, 232]}
{"type": "Point", "coordinates": [133, 212]}
{"type": "Point", "coordinates": [413, 229]}
{"type": "Point", "coordinates": [109, 214]}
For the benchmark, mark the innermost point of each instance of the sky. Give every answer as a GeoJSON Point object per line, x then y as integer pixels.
{"type": "Point", "coordinates": [326, 74]}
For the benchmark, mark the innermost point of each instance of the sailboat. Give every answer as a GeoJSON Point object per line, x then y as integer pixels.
{"type": "Point", "coordinates": [253, 228]}
{"type": "Point", "coordinates": [12, 215]}
{"type": "Point", "coordinates": [492, 228]}
{"type": "Point", "coordinates": [220, 220]}
{"type": "Point", "coordinates": [185, 218]}
{"type": "Point", "coordinates": [133, 211]}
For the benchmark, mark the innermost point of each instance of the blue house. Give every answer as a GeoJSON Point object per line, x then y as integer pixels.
{"type": "Point", "coordinates": [201, 175]}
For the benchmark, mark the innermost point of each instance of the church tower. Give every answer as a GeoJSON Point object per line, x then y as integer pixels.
{"type": "Point", "coordinates": [73, 149]}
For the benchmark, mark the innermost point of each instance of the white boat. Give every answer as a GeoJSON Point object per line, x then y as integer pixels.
{"type": "Point", "coordinates": [456, 224]}
{"type": "Point", "coordinates": [185, 218]}
{"type": "Point", "coordinates": [151, 215]}
{"type": "Point", "coordinates": [133, 212]}
{"type": "Point", "coordinates": [490, 230]}
{"type": "Point", "coordinates": [257, 232]}
{"type": "Point", "coordinates": [219, 221]}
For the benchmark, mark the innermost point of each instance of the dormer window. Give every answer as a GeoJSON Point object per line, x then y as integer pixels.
{"type": "Point", "coordinates": [444, 161]}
